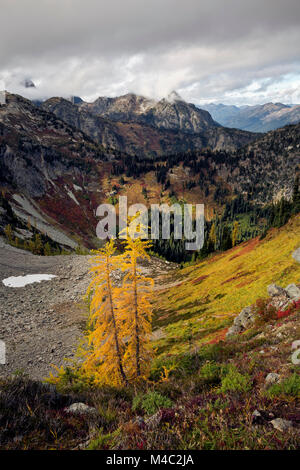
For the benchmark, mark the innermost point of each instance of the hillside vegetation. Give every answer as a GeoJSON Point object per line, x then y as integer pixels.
{"type": "Point", "coordinates": [205, 391]}
{"type": "Point", "coordinates": [203, 299]}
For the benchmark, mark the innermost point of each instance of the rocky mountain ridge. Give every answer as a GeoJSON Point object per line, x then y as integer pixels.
{"type": "Point", "coordinates": [167, 128]}
{"type": "Point", "coordinates": [169, 113]}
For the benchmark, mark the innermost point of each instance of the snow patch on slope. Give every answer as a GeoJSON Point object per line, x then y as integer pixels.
{"type": "Point", "coordinates": [21, 281]}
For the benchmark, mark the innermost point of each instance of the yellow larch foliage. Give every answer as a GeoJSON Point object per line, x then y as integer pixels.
{"type": "Point", "coordinates": [104, 358]}
{"type": "Point", "coordinates": [136, 294]}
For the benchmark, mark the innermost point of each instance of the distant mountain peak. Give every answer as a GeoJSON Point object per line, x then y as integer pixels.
{"type": "Point", "coordinates": [256, 118]}
{"type": "Point", "coordinates": [28, 83]}
{"type": "Point", "coordinates": [174, 96]}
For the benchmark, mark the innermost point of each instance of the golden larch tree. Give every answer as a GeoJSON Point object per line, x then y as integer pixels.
{"type": "Point", "coordinates": [136, 295]}
{"type": "Point", "coordinates": [104, 358]}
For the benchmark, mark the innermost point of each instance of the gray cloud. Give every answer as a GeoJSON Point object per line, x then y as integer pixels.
{"type": "Point", "coordinates": [229, 50]}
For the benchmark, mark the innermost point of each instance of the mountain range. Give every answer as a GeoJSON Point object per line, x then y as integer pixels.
{"type": "Point", "coordinates": [259, 118]}
{"type": "Point", "coordinates": [59, 161]}
{"type": "Point", "coordinates": [139, 126]}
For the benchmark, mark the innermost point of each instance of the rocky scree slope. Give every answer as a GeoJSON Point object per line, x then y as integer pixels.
{"type": "Point", "coordinates": [42, 323]}
{"type": "Point", "coordinates": [265, 170]}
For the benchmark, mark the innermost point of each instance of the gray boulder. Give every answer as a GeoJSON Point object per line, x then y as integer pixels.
{"type": "Point", "coordinates": [272, 378]}
{"type": "Point", "coordinates": [295, 357]}
{"type": "Point", "coordinates": [81, 409]}
{"type": "Point", "coordinates": [234, 330]}
{"type": "Point", "coordinates": [281, 424]}
{"type": "Point", "coordinates": [293, 291]}
{"type": "Point", "coordinates": [295, 344]}
{"type": "Point", "coordinates": [244, 320]}
{"type": "Point", "coordinates": [296, 255]}
{"type": "Point", "coordinates": [274, 290]}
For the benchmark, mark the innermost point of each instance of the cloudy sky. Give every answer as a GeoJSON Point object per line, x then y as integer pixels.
{"type": "Point", "coordinates": [230, 51]}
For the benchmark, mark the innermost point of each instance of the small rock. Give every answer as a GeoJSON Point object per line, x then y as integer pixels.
{"type": "Point", "coordinates": [81, 409]}
{"type": "Point", "coordinates": [272, 378]}
{"type": "Point", "coordinates": [281, 424]}
{"type": "Point", "coordinates": [154, 420]}
{"type": "Point", "coordinates": [257, 417]}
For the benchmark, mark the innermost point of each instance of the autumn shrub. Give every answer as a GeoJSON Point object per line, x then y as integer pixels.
{"type": "Point", "coordinates": [103, 441]}
{"type": "Point", "coordinates": [289, 387]}
{"type": "Point", "coordinates": [181, 365]}
{"type": "Point", "coordinates": [171, 388]}
{"type": "Point", "coordinates": [158, 364]}
{"type": "Point", "coordinates": [264, 311]}
{"type": "Point", "coordinates": [210, 371]}
{"type": "Point", "coordinates": [234, 381]}
{"type": "Point", "coordinates": [293, 308]}
{"type": "Point", "coordinates": [213, 372]}
{"type": "Point", "coordinates": [35, 414]}
{"type": "Point", "coordinates": [70, 378]}
{"type": "Point", "coordinates": [187, 364]}
{"type": "Point", "coordinates": [217, 351]}
{"type": "Point", "coordinates": [150, 402]}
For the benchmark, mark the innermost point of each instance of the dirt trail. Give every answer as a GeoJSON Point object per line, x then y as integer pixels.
{"type": "Point", "coordinates": [41, 323]}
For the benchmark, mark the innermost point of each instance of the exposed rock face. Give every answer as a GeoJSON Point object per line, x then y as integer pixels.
{"type": "Point", "coordinates": [130, 124]}
{"type": "Point", "coordinates": [27, 83]}
{"type": "Point", "coordinates": [37, 148]}
{"type": "Point", "coordinates": [171, 113]}
{"type": "Point", "coordinates": [272, 161]}
{"type": "Point", "coordinates": [45, 149]}
{"type": "Point", "coordinates": [40, 158]}
{"type": "Point", "coordinates": [99, 129]}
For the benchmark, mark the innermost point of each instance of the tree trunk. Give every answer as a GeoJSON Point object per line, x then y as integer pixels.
{"type": "Point", "coordinates": [137, 335]}
{"type": "Point", "coordinates": [120, 363]}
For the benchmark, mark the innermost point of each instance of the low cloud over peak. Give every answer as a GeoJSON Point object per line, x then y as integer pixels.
{"type": "Point", "coordinates": [233, 51]}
